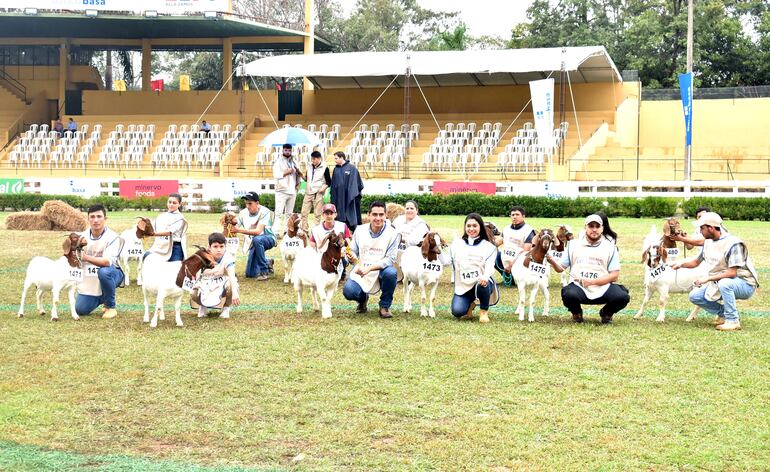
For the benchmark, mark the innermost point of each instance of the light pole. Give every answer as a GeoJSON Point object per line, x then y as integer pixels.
{"type": "Point", "coordinates": [688, 146]}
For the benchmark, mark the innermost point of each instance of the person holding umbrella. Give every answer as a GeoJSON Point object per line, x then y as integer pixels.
{"type": "Point", "coordinates": [287, 178]}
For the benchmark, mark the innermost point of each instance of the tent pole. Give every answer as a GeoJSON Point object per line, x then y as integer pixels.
{"type": "Point", "coordinates": [562, 93]}
{"type": "Point", "coordinates": [407, 106]}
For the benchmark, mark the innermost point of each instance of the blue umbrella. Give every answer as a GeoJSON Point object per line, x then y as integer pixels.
{"type": "Point", "coordinates": [291, 136]}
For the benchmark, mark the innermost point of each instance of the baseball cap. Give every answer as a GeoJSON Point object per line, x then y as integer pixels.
{"type": "Point", "coordinates": [709, 219]}
{"type": "Point", "coordinates": [251, 197]}
{"type": "Point", "coordinates": [329, 207]}
{"type": "Point", "coordinates": [287, 146]}
{"type": "Point", "coordinates": [594, 219]}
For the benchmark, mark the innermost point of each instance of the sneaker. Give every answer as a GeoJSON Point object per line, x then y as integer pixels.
{"type": "Point", "coordinates": [606, 319]}
{"type": "Point", "coordinates": [225, 313]}
{"type": "Point", "coordinates": [718, 320]}
{"type": "Point", "coordinates": [729, 326]}
{"type": "Point", "coordinates": [385, 313]}
{"type": "Point", "coordinates": [263, 276]}
{"type": "Point", "coordinates": [109, 313]}
{"type": "Point", "coordinates": [577, 317]}
{"type": "Point", "coordinates": [202, 311]}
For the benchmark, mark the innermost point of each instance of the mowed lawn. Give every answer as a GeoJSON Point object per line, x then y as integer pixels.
{"type": "Point", "coordinates": [271, 389]}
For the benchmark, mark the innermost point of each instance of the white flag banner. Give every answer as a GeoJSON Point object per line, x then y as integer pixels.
{"type": "Point", "coordinates": [542, 108]}
{"type": "Point", "coordinates": [177, 7]}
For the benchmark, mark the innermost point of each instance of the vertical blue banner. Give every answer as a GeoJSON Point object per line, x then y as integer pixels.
{"type": "Point", "coordinates": [685, 88]}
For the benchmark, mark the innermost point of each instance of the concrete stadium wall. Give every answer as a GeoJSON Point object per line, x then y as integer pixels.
{"type": "Point", "coordinates": [742, 123]}
{"type": "Point", "coordinates": [46, 78]}
{"type": "Point", "coordinates": [103, 102]}
{"type": "Point", "coordinates": [491, 99]}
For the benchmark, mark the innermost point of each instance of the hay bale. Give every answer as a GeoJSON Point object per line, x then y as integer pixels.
{"type": "Point", "coordinates": [392, 210]}
{"type": "Point", "coordinates": [28, 221]}
{"type": "Point", "coordinates": [64, 217]}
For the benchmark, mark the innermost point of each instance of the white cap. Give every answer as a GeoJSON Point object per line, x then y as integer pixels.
{"type": "Point", "coordinates": [593, 219]}
{"type": "Point", "coordinates": [709, 219]}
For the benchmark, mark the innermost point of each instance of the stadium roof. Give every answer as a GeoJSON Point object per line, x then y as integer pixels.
{"type": "Point", "coordinates": [441, 68]}
{"type": "Point", "coordinates": [246, 34]}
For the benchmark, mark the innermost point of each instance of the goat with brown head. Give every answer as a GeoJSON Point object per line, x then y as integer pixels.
{"type": "Point", "coordinates": [144, 227]}
{"type": "Point", "coordinates": [229, 222]}
{"type": "Point", "coordinates": [541, 244]}
{"type": "Point", "coordinates": [495, 237]}
{"type": "Point", "coordinates": [431, 246]}
{"type": "Point", "coordinates": [201, 259]}
{"type": "Point", "coordinates": [294, 227]}
{"type": "Point", "coordinates": [563, 236]}
{"type": "Point", "coordinates": [330, 259]}
{"type": "Point", "coordinates": [73, 249]}
{"type": "Point", "coordinates": [671, 227]}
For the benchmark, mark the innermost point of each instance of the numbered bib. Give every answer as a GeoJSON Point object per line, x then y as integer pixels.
{"type": "Point", "coordinates": [188, 285]}
{"type": "Point", "coordinates": [509, 253]}
{"type": "Point", "coordinates": [74, 274]}
{"type": "Point", "coordinates": [232, 245]}
{"type": "Point", "coordinates": [402, 246]}
{"type": "Point", "coordinates": [587, 274]}
{"type": "Point", "coordinates": [470, 275]}
{"type": "Point", "coordinates": [538, 269]}
{"type": "Point", "coordinates": [657, 272]}
{"type": "Point", "coordinates": [557, 255]}
{"type": "Point", "coordinates": [673, 252]}
{"type": "Point", "coordinates": [91, 271]}
{"type": "Point", "coordinates": [135, 251]}
{"type": "Point", "coordinates": [292, 243]}
{"type": "Point", "coordinates": [432, 266]}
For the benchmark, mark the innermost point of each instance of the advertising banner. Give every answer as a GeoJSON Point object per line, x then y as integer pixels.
{"type": "Point", "coordinates": [487, 188]}
{"type": "Point", "coordinates": [11, 186]}
{"type": "Point", "coordinates": [685, 89]}
{"type": "Point", "coordinates": [161, 6]}
{"type": "Point", "coordinates": [147, 188]}
{"type": "Point", "coordinates": [542, 109]}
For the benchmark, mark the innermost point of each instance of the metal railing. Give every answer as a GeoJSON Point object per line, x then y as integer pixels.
{"type": "Point", "coordinates": [671, 168]}
{"type": "Point", "coordinates": [16, 87]}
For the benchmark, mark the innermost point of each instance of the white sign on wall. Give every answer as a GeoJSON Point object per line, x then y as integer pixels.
{"type": "Point", "coordinates": [161, 6]}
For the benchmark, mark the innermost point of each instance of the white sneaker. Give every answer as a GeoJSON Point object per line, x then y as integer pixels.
{"type": "Point", "coordinates": [225, 313]}
{"type": "Point", "coordinates": [202, 311]}
{"type": "Point", "coordinates": [729, 326]}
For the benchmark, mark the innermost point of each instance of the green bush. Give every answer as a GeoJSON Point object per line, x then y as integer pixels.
{"type": "Point", "coordinates": [216, 205]}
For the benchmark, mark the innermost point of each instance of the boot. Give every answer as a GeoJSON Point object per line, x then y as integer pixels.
{"type": "Point", "coordinates": [483, 316]}
{"type": "Point", "coordinates": [469, 314]}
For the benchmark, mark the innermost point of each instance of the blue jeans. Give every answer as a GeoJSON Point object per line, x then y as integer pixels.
{"type": "Point", "coordinates": [461, 303]}
{"type": "Point", "coordinates": [176, 253]}
{"type": "Point", "coordinates": [353, 291]}
{"type": "Point", "coordinates": [731, 289]}
{"type": "Point", "coordinates": [257, 262]}
{"type": "Point", "coordinates": [109, 279]}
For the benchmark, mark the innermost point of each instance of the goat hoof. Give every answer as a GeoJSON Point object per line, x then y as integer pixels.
{"type": "Point", "coordinates": [42, 313]}
{"type": "Point", "coordinates": [638, 316]}
{"type": "Point", "coordinates": [179, 325]}
{"type": "Point", "coordinates": [660, 320]}
{"type": "Point", "coordinates": [76, 318]}
{"type": "Point", "coordinates": [20, 315]}
{"type": "Point", "coordinates": [55, 319]}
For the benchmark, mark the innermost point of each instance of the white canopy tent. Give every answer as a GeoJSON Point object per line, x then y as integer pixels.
{"type": "Point", "coordinates": [440, 68]}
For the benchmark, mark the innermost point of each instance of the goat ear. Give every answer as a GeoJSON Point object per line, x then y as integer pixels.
{"type": "Point", "coordinates": [663, 253]}
{"type": "Point", "coordinates": [645, 255]}
{"type": "Point", "coordinates": [536, 240]}
{"type": "Point", "coordinates": [666, 228]}
{"type": "Point", "coordinates": [425, 246]}
{"type": "Point", "coordinates": [67, 245]}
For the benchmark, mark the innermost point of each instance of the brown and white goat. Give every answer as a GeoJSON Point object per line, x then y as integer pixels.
{"type": "Point", "coordinates": [422, 266]}
{"type": "Point", "coordinates": [563, 237]}
{"type": "Point", "coordinates": [531, 272]}
{"type": "Point", "coordinates": [63, 273]}
{"type": "Point", "coordinates": [320, 272]}
{"type": "Point", "coordinates": [292, 243]}
{"type": "Point", "coordinates": [171, 279]}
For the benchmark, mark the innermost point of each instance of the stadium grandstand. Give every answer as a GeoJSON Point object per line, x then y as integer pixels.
{"type": "Point", "coordinates": [400, 117]}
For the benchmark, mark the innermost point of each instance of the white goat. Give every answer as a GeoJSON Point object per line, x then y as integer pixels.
{"type": "Point", "coordinates": [292, 243]}
{"type": "Point", "coordinates": [531, 272]}
{"type": "Point", "coordinates": [421, 266]}
{"type": "Point", "coordinates": [49, 275]}
{"type": "Point", "coordinates": [133, 249]}
{"type": "Point", "coordinates": [660, 277]}
{"type": "Point", "coordinates": [171, 280]}
{"type": "Point", "coordinates": [319, 273]}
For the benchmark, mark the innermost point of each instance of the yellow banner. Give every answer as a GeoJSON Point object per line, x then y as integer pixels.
{"type": "Point", "coordinates": [119, 85]}
{"type": "Point", "coordinates": [184, 82]}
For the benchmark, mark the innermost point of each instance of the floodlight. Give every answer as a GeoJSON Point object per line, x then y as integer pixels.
{"type": "Point", "coordinates": [151, 14]}
{"type": "Point", "coordinates": [92, 13]}
{"type": "Point", "coordinates": [30, 11]}
{"type": "Point", "coordinates": [210, 15]}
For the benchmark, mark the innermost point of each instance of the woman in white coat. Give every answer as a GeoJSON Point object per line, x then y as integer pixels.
{"type": "Point", "coordinates": [171, 231]}
{"type": "Point", "coordinates": [473, 262]}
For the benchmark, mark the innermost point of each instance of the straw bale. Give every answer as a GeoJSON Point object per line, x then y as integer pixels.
{"type": "Point", "coordinates": [28, 221]}
{"type": "Point", "coordinates": [392, 210]}
{"type": "Point", "coordinates": [63, 217]}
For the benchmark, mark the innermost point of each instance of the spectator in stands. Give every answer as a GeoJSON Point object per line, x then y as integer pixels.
{"type": "Point", "coordinates": [732, 275]}
{"type": "Point", "coordinates": [59, 128]}
{"type": "Point", "coordinates": [254, 221]}
{"type": "Point", "coordinates": [375, 244]}
{"type": "Point", "coordinates": [517, 238]}
{"type": "Point", "coordinates": [473, 263]}
{"type": "Point", "coordinates": [205, 127]}
{"type": "Point", "coordinates": [594, 266]}
{"type": "Point", "coordinates": [101, 272]}
{"type": "Point", "coordinates": [697, 238]}
{"type": "Point", "coordinates": [318, 180]}
{"type": "Point", "coordinates": [72, 126]}
{"type": "Point", "coordinates": [170, 231]}
{"type": "Point", "coordinates": [287, 179]}
{"type": "Point", "coordinates": [346, 190]}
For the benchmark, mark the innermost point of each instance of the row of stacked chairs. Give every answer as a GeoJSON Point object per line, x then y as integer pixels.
{"type": "Point", "coordinates": [327, 134]}
{"type": "Point", "coordinates": [39, 145]}
{"type": "Point", "coordinates": [126, 146]}
{"type": "Point", "coordinates": [183, 146]}
{"type": "Point", "coordinates": [527, 151]}
{"type": "Point", "coordinates": [462, 146]}
{"type": "Point", "coordinates": [384, 147]}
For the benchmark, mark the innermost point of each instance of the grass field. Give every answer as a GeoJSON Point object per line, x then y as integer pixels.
{"type": "Point", "coordinates": [270, 389]}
